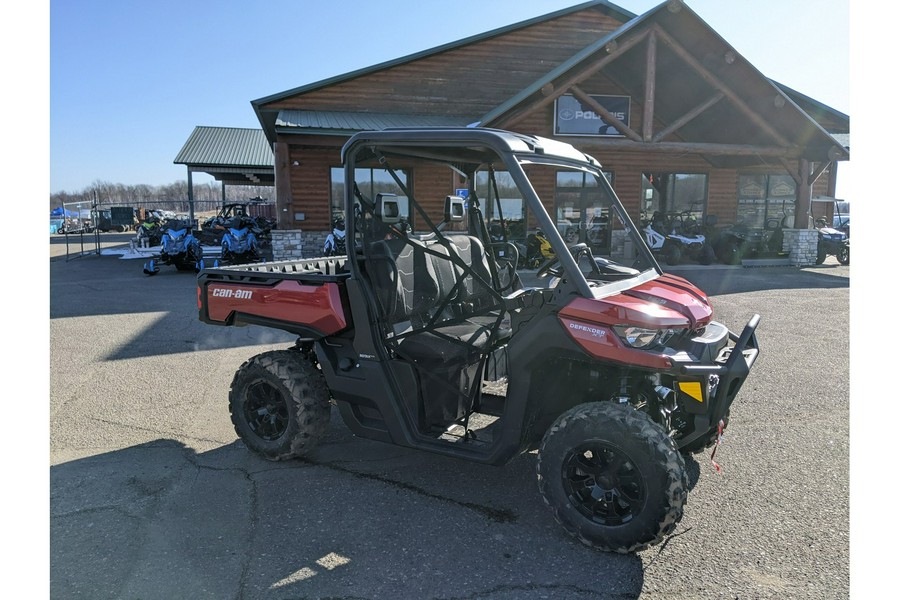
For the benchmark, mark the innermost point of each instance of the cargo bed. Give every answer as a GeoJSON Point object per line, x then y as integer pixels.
{"type": "Point", "coordinates": [306, 297]}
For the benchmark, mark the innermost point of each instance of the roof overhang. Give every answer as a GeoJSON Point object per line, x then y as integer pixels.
{"type": "Point", "coordinates": [696, 92]}
{"type": "Point", "coordinates": [234, 156]}
{"type": "Point", "coordinates": [347, 123]}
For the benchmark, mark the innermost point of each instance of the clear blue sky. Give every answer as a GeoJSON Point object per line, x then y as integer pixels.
{"type": "Point", "coordinates": [130, 80]}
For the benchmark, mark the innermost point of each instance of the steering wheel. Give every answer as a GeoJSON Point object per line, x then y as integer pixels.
{"type": "Point", "coordinates": [547, 269]}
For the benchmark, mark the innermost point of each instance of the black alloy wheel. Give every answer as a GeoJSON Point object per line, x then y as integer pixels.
{"type": "Point", "coordinates": [612, 477]}
{"type": "Point", "coordinates": [603, 483]}
{"type": "Point", "coordinates": [266, 411]}
{"type": "Point", "coordinates": [279, 404]}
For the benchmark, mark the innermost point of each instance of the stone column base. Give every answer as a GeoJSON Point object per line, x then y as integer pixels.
{"type": "Point", "coordinates": [803, 245]}
{"type": "Point", "coordinates": [287, 244]}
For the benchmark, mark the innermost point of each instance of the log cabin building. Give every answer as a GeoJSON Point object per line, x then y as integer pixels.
{"type": "Point", "coordinates": [679, 120]}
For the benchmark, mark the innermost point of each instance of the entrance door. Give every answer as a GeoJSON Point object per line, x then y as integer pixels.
{"type": "Point", "coordinates": [582, 212]}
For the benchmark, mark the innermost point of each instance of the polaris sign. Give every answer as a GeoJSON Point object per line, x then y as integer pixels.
{"type": "Point", "coordinates": [573, 118]}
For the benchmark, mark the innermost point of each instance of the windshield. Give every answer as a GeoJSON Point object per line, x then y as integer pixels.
{"type": "Point", "coordinates": [579, 213]}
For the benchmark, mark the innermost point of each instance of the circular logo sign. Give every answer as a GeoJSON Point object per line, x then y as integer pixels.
{"type": "Point", "coordinates": [567, 114]}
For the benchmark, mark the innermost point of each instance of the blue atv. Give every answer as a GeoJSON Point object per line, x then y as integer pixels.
{"type": "Point", "coordinates": [179, 248]}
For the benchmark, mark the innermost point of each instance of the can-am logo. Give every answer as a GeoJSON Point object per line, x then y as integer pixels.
{"type": "Point", "coordinates": [591, 330]}
{"type": "Point", "coordinates": [230, 293]}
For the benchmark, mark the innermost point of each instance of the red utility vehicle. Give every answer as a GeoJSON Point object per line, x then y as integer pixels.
{"type": "Point", "coordinates": [424, 335]}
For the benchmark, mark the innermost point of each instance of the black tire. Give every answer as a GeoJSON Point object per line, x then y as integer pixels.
{"type": "Point", "coordinates": [843, 255]}
{"type": "Point", "coordinates": [644, 482]}
{"type": "Point", "coordinates": [673, 255]}
{"type": "Point", "coordinates": [821, 255]}
{"type": "Point", "coordinates": [707, 255]}
{"type": "Point", "coordinates": [279, 404]}
{"type": "Point", "coordinates": [730, 253]}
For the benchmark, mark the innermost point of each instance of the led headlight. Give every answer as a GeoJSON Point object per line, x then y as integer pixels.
{"type": "Point", "coordinates": [640, 337]}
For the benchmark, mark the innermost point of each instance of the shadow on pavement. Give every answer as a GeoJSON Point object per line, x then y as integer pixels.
{"type": "Point", "coordinates": [358, 519]}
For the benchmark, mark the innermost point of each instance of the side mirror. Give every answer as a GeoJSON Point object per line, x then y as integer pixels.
{"type": "Point", "coordinates": [387, 208]}
{"type": "Point", "coordinates": [454, 209]}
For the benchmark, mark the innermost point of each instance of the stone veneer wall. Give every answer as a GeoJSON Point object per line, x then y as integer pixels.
{"type": "Point", "coordinates": [287, 244]}
{"type": "Point", "coordinates": [803, 246]}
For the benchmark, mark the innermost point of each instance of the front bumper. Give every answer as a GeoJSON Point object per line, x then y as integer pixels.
{"type": "Point", "coordinates": [718, 382]}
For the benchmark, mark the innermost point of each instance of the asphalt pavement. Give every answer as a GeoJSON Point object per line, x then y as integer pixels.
{"type": "Point", "coordinates": [152, 496]}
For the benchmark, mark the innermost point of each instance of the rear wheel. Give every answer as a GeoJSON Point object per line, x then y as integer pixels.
{"type": "Point", "coordinates": [279, 404]}
{"type": "Point", "coordinates": [821, 255]}
{"type": "Point", "coordinates": [730, 253]}
{"type": "Point", "coordinates": [612, 477]}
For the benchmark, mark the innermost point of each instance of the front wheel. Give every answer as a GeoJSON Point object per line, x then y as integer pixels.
{"type": "Point", "coordinates": [279, 404]}
{"type": "Point", "coordinates": [612, 477]}
{"type": "Point", "coordinates": [673, 255]}
{"type": "Point", "coordinates": [843, 255]}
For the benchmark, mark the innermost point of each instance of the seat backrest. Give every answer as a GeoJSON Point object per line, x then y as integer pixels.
{"type": "Point", "coordinates": [474, 293]}
{"type": "Point", "coordinates": [403, 277]}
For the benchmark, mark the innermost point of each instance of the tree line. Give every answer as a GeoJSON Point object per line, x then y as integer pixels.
{"type": "Point", "coordinates": [172, 196]}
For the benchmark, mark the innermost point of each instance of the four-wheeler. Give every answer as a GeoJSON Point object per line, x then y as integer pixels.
{"type": "Point", "coordinates": [428, 339]}
{"type": "Point", "coordinates": [832, 242]}
{"type": "Point", "coordinates": [213, 229]}
{"type": "Point", "coordinates": [150, 230]}
{"type": "Point", "coordinates": [663, 238]}
{"type": "Point", "coordinates": [179, 248]}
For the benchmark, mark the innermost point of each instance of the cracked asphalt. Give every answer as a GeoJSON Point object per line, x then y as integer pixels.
{"type": "Point", "coordinates": [153, 497]}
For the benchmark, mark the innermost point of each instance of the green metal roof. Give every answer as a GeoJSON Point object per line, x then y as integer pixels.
{"type": "Point", "coordinates": [609, 7]}
{"type": "Point", "coordinates": [328, 122]}
{"type": "Point", "coordinates": [226, 146]}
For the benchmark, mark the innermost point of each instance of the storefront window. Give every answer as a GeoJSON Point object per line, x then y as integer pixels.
{"type": "Point", "coordinates": [509, 205]}
{"type": "Point", "coordinates": [370, 183]}
{"type": "Point", "coordinates": [765, 198]}
{"type": "Point", "coordinates": [582, 210]}
{"type": "Point", "coordinates": [674, 194]}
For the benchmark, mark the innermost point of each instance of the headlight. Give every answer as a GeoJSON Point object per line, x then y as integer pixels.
{"type": "Point", "coordinates": [639, 337]}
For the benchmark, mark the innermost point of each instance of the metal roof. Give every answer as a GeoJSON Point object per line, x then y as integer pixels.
{"type": "Point", "coordinates": [329, 122]}
{"type": "Point", "coordinates": [232, 155]}
{"type": "Point", "coordinates": [226, 146]}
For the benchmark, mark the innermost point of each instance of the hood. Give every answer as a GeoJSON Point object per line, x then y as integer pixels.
{"type": "Point", "coordinates": [667, 301]}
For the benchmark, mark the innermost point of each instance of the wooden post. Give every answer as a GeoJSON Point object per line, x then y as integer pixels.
{"type": "Point", "coordinates": [650, 87]}
{"type": "Point", "coordinates": [804, 194]}
{"type": "Point", "coordinates": [190, 196]}
{"type": "Point", "coordinates": [283, 186]}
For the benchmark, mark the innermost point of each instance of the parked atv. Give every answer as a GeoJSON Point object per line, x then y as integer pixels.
{"type": "Point", "coordinates": [538, 249]}
{"type": "Point", "coordinates": [687, 241]}
{"type": "Point", "coordinates": [150, 230]}
{"type": "Point", "coordinates": [179, 248]}
{"type": "Point", "coordinates": [658, 236]}
{"type": "Point", "coordinates": [213, 229]}
{"type": "Point", "coordinates": [423, 340]}
{"type": "Point", "coordinates": [832, 243]}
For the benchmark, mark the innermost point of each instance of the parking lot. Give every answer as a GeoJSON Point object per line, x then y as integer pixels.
{"type": "Point", "coordinates": [152, 495]}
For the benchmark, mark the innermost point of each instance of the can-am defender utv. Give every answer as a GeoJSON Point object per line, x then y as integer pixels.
{"type": "Point", "coordinates": [424, 336]}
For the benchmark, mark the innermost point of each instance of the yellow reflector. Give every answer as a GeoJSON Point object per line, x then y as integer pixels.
{"type": "Point", "coordinates": [692, 389]}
